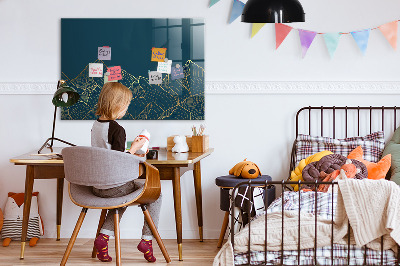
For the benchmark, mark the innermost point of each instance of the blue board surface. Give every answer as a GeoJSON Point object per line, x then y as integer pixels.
{"type": "Point", "coordinates": [131, 41]}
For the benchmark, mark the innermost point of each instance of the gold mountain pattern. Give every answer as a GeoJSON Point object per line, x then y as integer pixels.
{"type": "Point", "coordinates": [181, 99]}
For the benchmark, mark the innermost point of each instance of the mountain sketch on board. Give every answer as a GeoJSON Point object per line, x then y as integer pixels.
{"type": "Point", "coordinates": [180, 99]}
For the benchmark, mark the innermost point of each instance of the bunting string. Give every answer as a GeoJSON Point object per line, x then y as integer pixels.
{"type": "Point", "coordinates": [343, 33]}
{"type": "Point", "coordinates": [361, 37]}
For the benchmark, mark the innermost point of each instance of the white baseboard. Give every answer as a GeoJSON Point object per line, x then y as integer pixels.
{"type": "Point", "coordinates": [248, 87]}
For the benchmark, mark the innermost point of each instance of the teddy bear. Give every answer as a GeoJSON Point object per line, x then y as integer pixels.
{"type": "Point", "coordinates": [13, 215]}
{"type": "Point", "coordinates": [245, 169]}
{"type": "Point", "coordinates": [180, 144]}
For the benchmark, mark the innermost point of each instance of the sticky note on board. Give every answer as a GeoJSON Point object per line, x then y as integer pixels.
{"type": "Point", "coordinates": [115, 73]}
{"type": "Point", "coordinates": [95, 70]}
{"type": "Point", "coordinates": [177, 73]}
{"type": "Point", "coordinates": [164, 67]}
{"type": "Point", "coordinates": [158, 54]}
{"type": "Point", "coordinates": [155, 77]}
{"type": "Point", "coordinates": [104, 53]}
{"type": "Point", "coordinates": [106, 78]}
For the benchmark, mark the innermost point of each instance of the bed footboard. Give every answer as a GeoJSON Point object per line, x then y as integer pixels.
{"type": "Point", "coordinates": [384, 257]}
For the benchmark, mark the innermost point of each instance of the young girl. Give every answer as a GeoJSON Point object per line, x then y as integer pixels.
{"type": "Point", "coordinates": [113, 103]}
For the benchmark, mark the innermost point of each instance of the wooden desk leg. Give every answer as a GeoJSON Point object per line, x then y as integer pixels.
{"type": "Point", "coordinates": [176, 183]}
{"type": "Point", "coordinates": [60, 190]}
{"type": "Point", "coordinates": [27, 206]}
{"type": "Point", "coordinates": [199, 204]}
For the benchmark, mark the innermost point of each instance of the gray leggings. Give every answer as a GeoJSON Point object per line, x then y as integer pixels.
{"type": "Point", "coordinates": [154, 208]}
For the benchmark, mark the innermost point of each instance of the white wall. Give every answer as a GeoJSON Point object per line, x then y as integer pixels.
{"type": "Point", "coordinates": [258, 126]}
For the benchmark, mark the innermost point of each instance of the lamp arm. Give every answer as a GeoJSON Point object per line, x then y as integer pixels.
{"type": "Point", "coordinates": [54, 126]}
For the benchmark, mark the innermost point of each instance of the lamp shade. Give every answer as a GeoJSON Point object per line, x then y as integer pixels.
{"type": "Point", "coordinates": [273, 11]}
{"type": "Point", "coordinates": [65, 96]}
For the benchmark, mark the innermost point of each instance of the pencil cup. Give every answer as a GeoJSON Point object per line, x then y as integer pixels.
{"type": "Point", "coordinates": [200, 143]}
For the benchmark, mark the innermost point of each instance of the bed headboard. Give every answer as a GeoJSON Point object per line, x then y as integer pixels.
{"type": "Point", "coordinates": [344, 121]}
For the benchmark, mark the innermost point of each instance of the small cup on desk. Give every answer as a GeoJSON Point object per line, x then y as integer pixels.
{"type": "Point", "coordinates": [152, 155]}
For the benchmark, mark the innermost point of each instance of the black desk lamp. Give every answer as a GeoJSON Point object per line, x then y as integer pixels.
{"type": "Point", "coordinates": [273, 11]}
{"type": "Point", "coordinates": [64, 96]}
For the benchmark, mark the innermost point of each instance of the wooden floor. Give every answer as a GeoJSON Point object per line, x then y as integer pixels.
{"type": "Point", "coordinates": [50, 252]}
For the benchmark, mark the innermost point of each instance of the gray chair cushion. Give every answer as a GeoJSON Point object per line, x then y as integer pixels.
{"type": "Point", "coordinates": [99, 167]}
{"type": "Point", "coordinates": [83, 195]}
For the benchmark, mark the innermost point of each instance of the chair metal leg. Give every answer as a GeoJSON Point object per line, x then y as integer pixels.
{"type": "Point", "coordinates": [154, 230]}
{"type": "Point", "coordinates": [101, 222]}
{"type": "Point", "coordinates": [223, 229]}
{"type": "Point", "coordinates": [117, 238]}
{"type": "Point", "coordinates": [73, 237]}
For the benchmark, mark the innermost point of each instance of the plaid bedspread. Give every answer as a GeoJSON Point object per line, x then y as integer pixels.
{"type": "Point", "coordinates": [321, 205]}
{"type": "Point", "coordinates": [324, 257]}
{"type": "Point", "coordinates": [307, 202]}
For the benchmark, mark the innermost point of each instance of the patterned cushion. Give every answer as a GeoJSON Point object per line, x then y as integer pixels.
{"type": "Point", "coordinates": [372, 144]}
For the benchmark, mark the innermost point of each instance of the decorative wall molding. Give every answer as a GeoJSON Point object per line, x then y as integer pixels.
{"type": "Point", "coordinates": [303, 87]}
{"type": "Point", "coordinates": [28, 88]}
{"type": "Point", "coordinates": [249, 87]}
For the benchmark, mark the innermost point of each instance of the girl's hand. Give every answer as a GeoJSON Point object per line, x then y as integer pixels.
{"type": "Point", "coordinates": [137, 144]}
{"type": "Point", "coordinates": [143, 155]}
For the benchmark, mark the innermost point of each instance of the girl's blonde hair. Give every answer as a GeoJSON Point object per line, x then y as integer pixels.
{"type": "Point", "coordinates": [112, 99]}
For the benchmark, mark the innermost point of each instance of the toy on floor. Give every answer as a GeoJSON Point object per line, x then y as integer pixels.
{"type": "Point", "coordinates": [245, 169]}
{"type": "Point", "coordinates": [13, 215]}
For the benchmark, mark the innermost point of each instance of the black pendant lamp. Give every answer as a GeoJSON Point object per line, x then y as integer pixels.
{"type": "Point", "coordinates": [273, 11]}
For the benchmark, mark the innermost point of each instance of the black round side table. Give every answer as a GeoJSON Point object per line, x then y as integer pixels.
{"type": "Point", "coordinates": [228, 182]}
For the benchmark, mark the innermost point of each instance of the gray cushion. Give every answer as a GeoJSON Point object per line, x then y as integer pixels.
{"type": "Point", "coordinates": [83, 195]}
{"type": "Point", "coordinates": [99, 167]}
{"type": "Point", "coordinates": [393, 148]}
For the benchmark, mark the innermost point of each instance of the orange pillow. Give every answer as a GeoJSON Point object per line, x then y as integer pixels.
{"type": "Point", "coordinates": [375, 170]}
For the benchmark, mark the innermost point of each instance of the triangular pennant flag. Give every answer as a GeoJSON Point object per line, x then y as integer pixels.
{"type": "Point", "coordinates": [281, 31]}
{"type": "Point", "coordinates": [213, 2]}
{"type": "Point", "coordinates": [256, 28]}
{"type": "Point", "coordinates": [306, 39]}
{"type": "Point", "coordinates": [332, 41]}
{"type": "Point", "coordinates": [237, 9]}
{"type": "Point", "coordinates": [361, 37]}
{"type": "Point", "coordinates": [390, 32]}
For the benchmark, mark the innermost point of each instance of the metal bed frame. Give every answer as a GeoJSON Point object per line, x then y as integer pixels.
{"type": "Point", "coordinates": [283, 184]}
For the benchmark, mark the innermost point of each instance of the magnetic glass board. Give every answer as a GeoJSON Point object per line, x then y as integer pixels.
{"type": "Point", "coordinates": [131, 42]}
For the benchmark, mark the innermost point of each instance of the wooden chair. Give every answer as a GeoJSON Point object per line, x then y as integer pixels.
{"type": "Point", "coordinates": [85, 167]}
